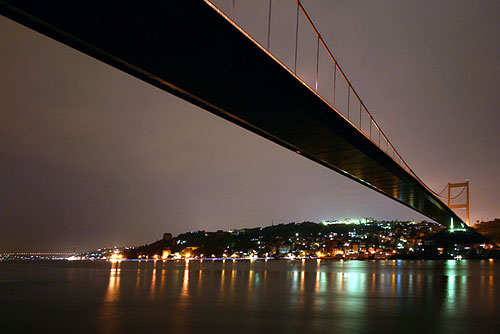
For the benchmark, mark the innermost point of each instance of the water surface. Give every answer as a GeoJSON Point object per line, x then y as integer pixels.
{"type": "Point", "coordinates": [251, 297]}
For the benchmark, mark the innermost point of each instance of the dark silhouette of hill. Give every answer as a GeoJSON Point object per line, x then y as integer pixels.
{"type": "Point", "coordinates": [490, 229]}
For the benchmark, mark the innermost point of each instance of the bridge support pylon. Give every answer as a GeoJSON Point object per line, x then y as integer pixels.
{"type": "Point", "coordinates": [464, 185]}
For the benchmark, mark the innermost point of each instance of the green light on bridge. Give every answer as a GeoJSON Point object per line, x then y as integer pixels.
{"type": "Point", "coordinates": [453, 229]}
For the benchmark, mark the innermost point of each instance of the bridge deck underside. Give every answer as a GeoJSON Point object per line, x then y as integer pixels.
{"type": "Point", "coordinates": [186, 48]}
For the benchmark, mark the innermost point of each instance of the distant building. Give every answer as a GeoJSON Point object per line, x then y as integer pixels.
{"type": "Point", "coordinates": [332, 245]}
{"type": "Point", "coordinates": [272, 249]}
{"type": "Point", "coordinates": [283, 249]}
{"type": "Point", "coordinates": [188, 251]}
{"type": "Point", "coordinates": [167, 236]}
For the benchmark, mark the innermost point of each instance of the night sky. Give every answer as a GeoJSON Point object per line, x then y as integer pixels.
{"type": "Point", "coordinates": [94, 157]}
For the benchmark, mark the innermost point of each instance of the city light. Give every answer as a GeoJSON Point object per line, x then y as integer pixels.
{"type": "Point", "coordinates": [363, 239]}
{"type": "Point", "coordinates": [116, 257]}
{"type": "Point", "coordinates": [349, 221]}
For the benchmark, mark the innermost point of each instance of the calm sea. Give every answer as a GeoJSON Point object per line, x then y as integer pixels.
{"type": "Point", "coordinates": [251, 297]}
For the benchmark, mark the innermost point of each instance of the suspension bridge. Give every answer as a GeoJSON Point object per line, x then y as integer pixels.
{"type": "Point", "coordinates": [198, 51]}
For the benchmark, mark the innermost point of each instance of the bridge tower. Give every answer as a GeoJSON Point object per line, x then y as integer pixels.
{"type": "Point", "coordinates": [465, 186]}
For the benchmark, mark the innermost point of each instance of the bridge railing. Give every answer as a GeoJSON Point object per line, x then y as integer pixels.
{"type": "Point", "coordinates": [305, 54]}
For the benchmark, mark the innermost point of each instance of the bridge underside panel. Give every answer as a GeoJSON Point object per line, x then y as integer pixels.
{"type": "Point", "coordinates": [186, 48]}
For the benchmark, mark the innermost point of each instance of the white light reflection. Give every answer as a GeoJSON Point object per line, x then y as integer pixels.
{"type": "Point", "coordinates": [456, 285]}
{"type": "Point", "coordinates": [108, 313]}
{"type": "Point", "coordinates": [222, 278]}
{"type": "Point", "coordinates": [152, 287]}
{"type": "Point", "coordinates": [162, 278]}
{"type": "Point", "coordinates": [351, 285]}
{"type": "Point", "coordinates": [232, 282]}
{"type": "Point", "coordinates": [185, 282]}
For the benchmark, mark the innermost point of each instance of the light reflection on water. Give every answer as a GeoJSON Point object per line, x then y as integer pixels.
{"type": "Point", "coordinates": [297, 296]}
{"type": "Point", "coordinates": [110, 323]}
